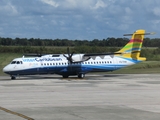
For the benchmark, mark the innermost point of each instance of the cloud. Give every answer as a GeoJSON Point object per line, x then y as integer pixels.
{"type": "Point", "coordinates": [50, 2]}
{"type": "Point", "coordinates": [100, 4]}
{"type": "Point", "coordinates": [156, 11]}
{"type": "Point", "coordinates": [8, 9]}
{"type": "Point", "coordinates": [74, 19]}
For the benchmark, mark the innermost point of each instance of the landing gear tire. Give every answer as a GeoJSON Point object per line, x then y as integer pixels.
{"type": "Point", "coordinates": [81, 75]}
{"type": "Point", "coordinates": [13, 77]}
{"type": "Point", "coordinates": [65, 76]}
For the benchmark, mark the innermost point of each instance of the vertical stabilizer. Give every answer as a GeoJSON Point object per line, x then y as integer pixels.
{"type": "Point", "coordinates": [133, 47]}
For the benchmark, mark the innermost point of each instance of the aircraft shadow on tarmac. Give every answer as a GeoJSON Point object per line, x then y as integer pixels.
{"type": "Point", "coordinates": [52, 77]}
{"type": "Point", "coordinates": [113, 75]}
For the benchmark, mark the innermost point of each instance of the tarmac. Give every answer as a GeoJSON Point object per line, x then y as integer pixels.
{"type": "Point", "coordinates": [96, 97]}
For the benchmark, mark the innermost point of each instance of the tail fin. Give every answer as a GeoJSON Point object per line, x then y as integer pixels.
{"type": "Point", "coordinates": [133, 47]}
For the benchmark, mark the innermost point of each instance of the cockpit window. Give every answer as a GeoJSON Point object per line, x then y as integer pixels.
{"type": "Point", "coordinates": [16, 62]}
{"type": "Point", "coordinates": [13, 62]}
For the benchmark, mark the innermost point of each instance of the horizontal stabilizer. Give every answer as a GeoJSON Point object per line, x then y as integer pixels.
{"type": "Point", "coordinates": [151, 33]}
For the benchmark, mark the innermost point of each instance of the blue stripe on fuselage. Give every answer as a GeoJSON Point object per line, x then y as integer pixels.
{"type": "Point", "coordinates": [67, 69]}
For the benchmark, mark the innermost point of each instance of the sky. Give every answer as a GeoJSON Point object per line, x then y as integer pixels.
{"type": "Point", "coordinates": [77, 19]}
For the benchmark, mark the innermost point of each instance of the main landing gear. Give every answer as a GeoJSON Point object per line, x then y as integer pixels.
{"type": "Point", "coordinates": [65, 76]}
{"type": "Point", "coordinates": [81, 75]}
{"type": "Point", "coordinates": [13, 77]}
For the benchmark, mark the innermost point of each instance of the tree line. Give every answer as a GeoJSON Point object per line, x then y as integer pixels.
{"type": "Point", "coordinates": [151, 47]}
{"type": "Point", "coordinates": [149, 53]}
{"type": "Point", "coordinates": [110, 42]}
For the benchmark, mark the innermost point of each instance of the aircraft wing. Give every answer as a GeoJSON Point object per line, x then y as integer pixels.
{"type": "Point", "coordinates": [100, 54]}
{"type": "Point", "coordinates": [40, 55]}
{"type": "Point", "coordinates": [103, 54]}
{"type": "Point", "coordinates": [33, 55]}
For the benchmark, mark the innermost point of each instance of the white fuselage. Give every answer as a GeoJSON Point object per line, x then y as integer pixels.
{"type": "Point", "coordinates": [49, 64]}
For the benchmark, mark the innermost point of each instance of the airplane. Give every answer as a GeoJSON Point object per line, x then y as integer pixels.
{"type": "Point", "coordinates": [79, 64]}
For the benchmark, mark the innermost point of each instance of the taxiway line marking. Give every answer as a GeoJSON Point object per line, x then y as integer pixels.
{"type": "Point", "coordinates": [15, 113]}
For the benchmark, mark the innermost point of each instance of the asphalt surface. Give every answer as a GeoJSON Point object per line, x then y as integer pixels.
{"type": "Point", "coordinates": [97, 97]}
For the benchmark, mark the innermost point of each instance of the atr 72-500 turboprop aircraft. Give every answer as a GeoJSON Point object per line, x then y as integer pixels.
{"type": "Point", "coordinates": [79, 64]}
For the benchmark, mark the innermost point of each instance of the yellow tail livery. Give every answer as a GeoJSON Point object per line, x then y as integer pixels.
{"type": "Point", "coordinates": [133, 47]}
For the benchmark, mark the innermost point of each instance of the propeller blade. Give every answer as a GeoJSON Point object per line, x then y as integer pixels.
{"type": "Point", "coordinates": [71, 54]}
{"type": "Point", "coordinates": [64, 55]}
{"type": "Point", "coordinates": [69, 57]}
{"type": "Point", "coordinates": [68, 51]}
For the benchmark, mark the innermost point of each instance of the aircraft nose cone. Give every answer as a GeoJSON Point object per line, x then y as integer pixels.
{"type": "Point", "coordinates": [5, 69]}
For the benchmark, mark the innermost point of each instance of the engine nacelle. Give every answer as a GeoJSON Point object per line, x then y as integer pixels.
{"type": "Point", "coordinates": [77, 57]}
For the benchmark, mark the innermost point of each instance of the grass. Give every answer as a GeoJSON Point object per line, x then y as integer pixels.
{"type": "Point", "coordinates": [140, 68]}
{"type": "Point", "coordinates": [146, 67]}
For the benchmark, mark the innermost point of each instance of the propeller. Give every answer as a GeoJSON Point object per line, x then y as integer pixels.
{"type": "Point", "coordinates": [69, 57]}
